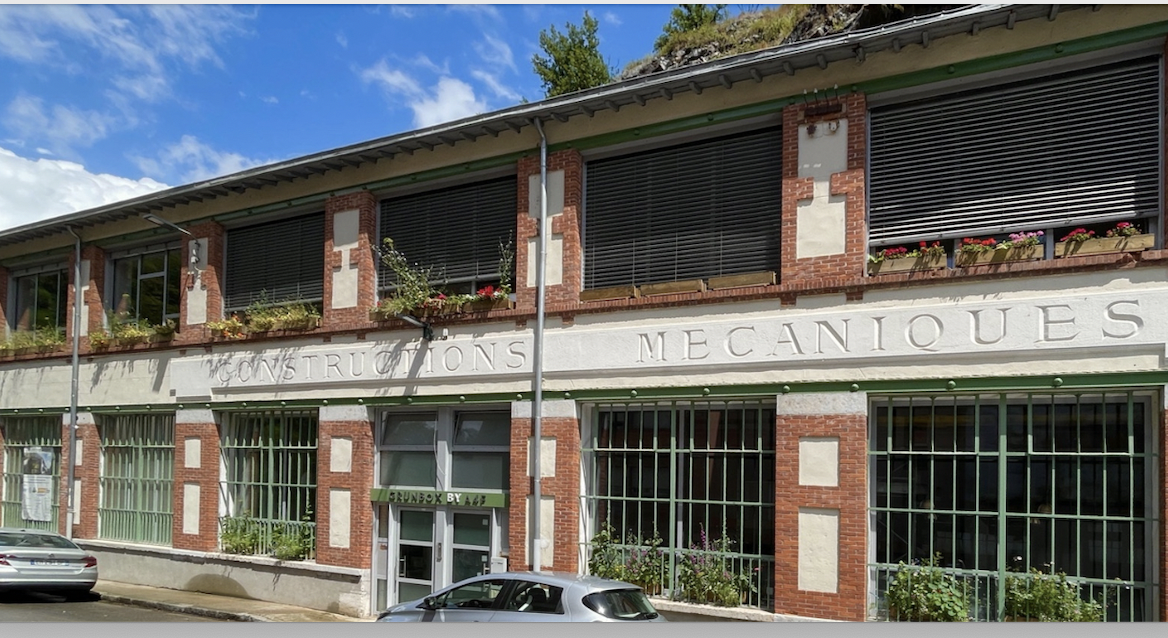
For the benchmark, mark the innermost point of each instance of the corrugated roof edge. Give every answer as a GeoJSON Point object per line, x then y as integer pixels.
{"type": "Point", "coordinates": [751, 65]}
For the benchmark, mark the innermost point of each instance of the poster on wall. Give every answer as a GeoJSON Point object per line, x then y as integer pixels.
{"type": "Point", "coordinates": [36, 503]}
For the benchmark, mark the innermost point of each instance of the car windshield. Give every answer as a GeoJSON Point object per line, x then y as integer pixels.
{"type": "Point", "coordinates": [24, 539]}
{"type": "Point", "coordinates": [621, 604]}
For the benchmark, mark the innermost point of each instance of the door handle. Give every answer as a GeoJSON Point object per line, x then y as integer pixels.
{"type": "Point", "coordinates": [438, 558]}
{"type": "Point", "coordinates": [401, 567]}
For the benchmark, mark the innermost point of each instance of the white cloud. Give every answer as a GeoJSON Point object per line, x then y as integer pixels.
{"type": "Point", "coordinates": [43, 188]}
{"type": "Point", "coordinates": [270, 99]}
{"type": "Point", "coordinates": [495, 52]}
{"type": "Point", "coordinates": [342, 40]}
{"type": "Point", "coordinates": [476, 10]}
{"type": "Point", "coordinates": [401, 11]}
{"type": "Point", "coordinates": [496, 87]}
{"type": "Point", "coordinates": [194, 161]}
{"type": "Point", "coordinates": [449, 99]}
{"type": "Point", "coordinates": [423, 61]}
{"type": "Point", "coordinates": [611, 18]}
{"type": "Point", "coordinates": [61, 126]}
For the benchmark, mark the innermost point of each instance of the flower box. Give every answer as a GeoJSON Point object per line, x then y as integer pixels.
{"type": "Point", "coordinates": [766, 278]}
{"type": "Point", "coordinates": [486, 305]}
{"type": "Point", "coordinates": [673, 287]}
{"type": "Point", "coordinates": [299, 323]}
{"type": "Point", "coordinates": [1101, 245]}
{"type": "Point", "coordinates": [907, 264]}
{"type": "Point", "coordinates": [993, 257]}
{"type": "Point", "coordinates": [612, 292]}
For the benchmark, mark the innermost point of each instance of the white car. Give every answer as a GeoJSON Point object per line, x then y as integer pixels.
{"type": "Point", "coordinates": [39, 560]}
{"type": "Point", "coordinates": [529, 597]}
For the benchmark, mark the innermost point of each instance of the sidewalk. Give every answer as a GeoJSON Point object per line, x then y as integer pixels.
{"type": "Point", "coordinates": [212, 606]}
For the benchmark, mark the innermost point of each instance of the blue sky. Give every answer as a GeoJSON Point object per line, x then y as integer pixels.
{"type": "Point", "coordinates": [104, 103]}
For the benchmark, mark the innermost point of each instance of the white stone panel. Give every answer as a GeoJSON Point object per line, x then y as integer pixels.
{"type": "Point", "coordinates": [819, 461]}
{"type": "Point", "coordinates": [554, 270]}
{"type": "Point", "coordinates": [344, 413]}
{"type": "Point", "coordinates": [547, 528]}
{"type": "Point", "coordinates": [340, 501]}
{"type": "Point", "coordinates": [194, 417]}
{"type": "Point", "coordinates": [79, 456]}
{"type": "Point", "coordinates": [819, 550]}
{"type": "Point", "coordinates": [547, 457]}
{"type": "Point", "coordinates": [197, 295]}
{"type": "Point", "coordinates": [821, 221]}
{"type": "Point", "coordinates": [825, 403]}
{"type": "Point", "coordinates": [76, 498]}
{"type": "Point", "coordinates": [340, 454]}
{"type": "Point", "coordinates": [565, 408]}
{"type": "Point", "coordinates": [192, 452]}
{"type": "Point", "coordinates": [346, 229]}
{"type": "Point", "coordinates": [84, 325]}
{"type": "Point", "coordinates": [190, 513]}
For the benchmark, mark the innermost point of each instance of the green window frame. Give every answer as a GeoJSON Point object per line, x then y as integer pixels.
{"type": "Point", "coordinates": [676, 469]}
{"type": "Point", "coordinates": [40, 300]}
{"type": "Point", "coordinates": [136, 478]}
{"type": "Point", "coordinates": [148, 285]}
{"type": "Point", "coordinates": [269, 464]}
{"type": "Point", "coordinates": [20, 432]}
{"type": "Point", "coordinates": [422, 449]}
{"type": "Point", "coordinates": [1001, 483]}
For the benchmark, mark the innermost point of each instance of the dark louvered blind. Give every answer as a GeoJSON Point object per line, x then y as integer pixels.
{"type": "Point", "coordinates": [696, 210]}
{"type": "Point", "coordinates": [280, 261]}
{"type": "Point", "coordinates": [1075, 148]}
{"type": "Point", "coordinates": [456, 231]}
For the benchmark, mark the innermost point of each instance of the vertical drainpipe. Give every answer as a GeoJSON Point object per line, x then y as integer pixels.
{"type": "Point", "coordinates": [537, 356]}
{"type": "Point", "coordinates": [73, 388]}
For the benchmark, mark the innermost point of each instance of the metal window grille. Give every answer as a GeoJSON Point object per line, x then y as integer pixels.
{"type": "Point", "coordinates": [1070, 149]}
{"type": "Point", "coordinates": [19, 433]}
{"type": "Point", "coordinates": [689, 211]}
{"type": "Point", "coordinates": [682, 471]}
{"type": "Point", "coordinates": [148, 286]}
{"type": "Point", "coordinates": [40, 300]}
{"type": "Point", "coordinates": [456, 231]}
{"type": "Point", "coordinates": [276, 261]}
{"type": "Point", "coordinates": [269, 462]}
{"type": "Point", "coordinates": [137, 477]}
{"type": "Point", "coordinates": [998, 484]}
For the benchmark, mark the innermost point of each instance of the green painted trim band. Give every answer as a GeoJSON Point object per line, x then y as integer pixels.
{"type": "Point", "coordinates": [407, 496]}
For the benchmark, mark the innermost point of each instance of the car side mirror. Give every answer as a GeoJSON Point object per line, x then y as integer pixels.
{"type": "Point", "coordinates": [431, 602]}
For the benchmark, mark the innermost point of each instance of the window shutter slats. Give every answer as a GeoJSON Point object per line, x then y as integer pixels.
{"type": "Point", "coordinates": [1077, 148]}
{"type": "Point", "coordinates": [281, 260]}
{"type": "Point", "coordinates": [456, 231]}
{"type": "Point", "coordinates": [694, 210]}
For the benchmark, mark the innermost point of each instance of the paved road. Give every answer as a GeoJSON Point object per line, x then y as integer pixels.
{"type": "Point", "coordinates": [35, 607]}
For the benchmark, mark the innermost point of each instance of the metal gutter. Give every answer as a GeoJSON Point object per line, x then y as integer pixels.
{"type": "Point", "coordinates": [724, 72]}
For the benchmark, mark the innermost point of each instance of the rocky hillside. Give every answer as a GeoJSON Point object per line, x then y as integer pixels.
{"type": "Point", "coordinates": [756, 30]}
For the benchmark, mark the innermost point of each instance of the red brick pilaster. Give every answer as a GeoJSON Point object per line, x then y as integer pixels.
{"type": "Point", "coordinates": [202, 469]}
{"type": "Point", "coordinates": [850, 184]}
{"type": "Point", "coordinates": [360, 257]}
{"type": "Point", "coordinates": [4, 277]}
{"type": "Point", "coordinates": [849, 498]}
{"type": "Point", "coordinates": [88, 473]}
{"type": "Point", "coordinates": [95, 319]}
{"type": "Point", "coordinates": [354, 474]}
{"type": "Point", "coordinates": [207, 276]}
{"type": "Point", "coordinates": [565, 224]}
{"type": "Point", "coordinates": [564, 488]}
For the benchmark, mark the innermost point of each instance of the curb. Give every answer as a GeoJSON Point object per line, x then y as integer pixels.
{"type": "Point", "coordinates": [181, 609]}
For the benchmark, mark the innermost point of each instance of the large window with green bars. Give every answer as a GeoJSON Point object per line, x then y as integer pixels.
{"type": "Point", "coordinates": [1003, 491]}
{"type": "Point", "coordinates": [137, 478]}
{"type": "Point", "coordinates": [698, 476]}
{"type": "Point", "coordinates": [29, 438]}
{"type": "Point", "coordinates": [269, 484]}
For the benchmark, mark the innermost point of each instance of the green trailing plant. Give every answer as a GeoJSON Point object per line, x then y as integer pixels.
{"type": "Point", "coordinates": [414, 283]}
{"type": "Point", "coordinates": [240, 535]}
{"type": "Point", "coordinates": [293, 541]}
{"type": "Point", "coordinates": [1049, 598]}
{"type": "Point", "coordinates": [506, 265]}
{"type": "Point", "coordinates": [99, 339]}
{"type": "Point", "coordinates": [705, 574]}
{"type": "Point", "coordinates": [264, 315]}
{"type": "Point", "coordinates": [231, 327]}
{"type": "Point", "coordinates": [165, 329]}
{"type": "Point", "coordinates": [645, 565]}
{"type": "Point", "coordinates": [43, 338]}
{"type": "Point", "coordinates": [606, 560]}
{"type": "Point", "coordinates": [926, 593]}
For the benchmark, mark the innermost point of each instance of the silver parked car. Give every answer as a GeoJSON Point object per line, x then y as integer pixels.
{"type": "Point", "coordinates": [529, 597]}
{"type": "Point", "coordinates": [39, 560]}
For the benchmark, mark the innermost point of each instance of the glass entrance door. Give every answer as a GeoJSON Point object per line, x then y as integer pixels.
{"type": "Point", "coordinates": [440, 546]}
{"type": "Point", "coordinates": [415, 554]}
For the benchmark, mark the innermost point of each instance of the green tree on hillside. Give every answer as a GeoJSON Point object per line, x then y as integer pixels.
{"type": "Point", "coordinates": [689, 17]}
{"type": "Point", "coordinates": [573, 61]}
